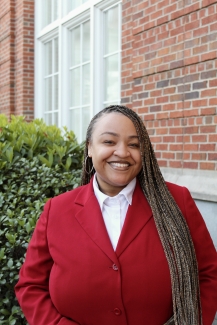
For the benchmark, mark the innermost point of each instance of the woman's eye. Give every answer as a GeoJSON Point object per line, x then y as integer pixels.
{"type": "Point", "coordinates": [134, 145]}
{"type": "Point", "coordinates": [108, 142]}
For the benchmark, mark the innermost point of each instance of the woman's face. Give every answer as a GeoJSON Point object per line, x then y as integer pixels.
{"type": "Point", "coordinates": [115, 152]}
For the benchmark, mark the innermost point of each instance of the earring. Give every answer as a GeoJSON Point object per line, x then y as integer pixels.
{"type": "Point", "coordinates": [85, 163]}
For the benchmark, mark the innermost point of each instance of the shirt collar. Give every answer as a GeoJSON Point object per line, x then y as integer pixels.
{"type": "Point", "coordinates": [127, 192]}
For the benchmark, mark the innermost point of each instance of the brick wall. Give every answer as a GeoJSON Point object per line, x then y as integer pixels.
{"type": "Point", "coordinates": [17, 57]}
{"type": "Point", "coordinates": [169, 77]}
{"type": "Point", "coordinates": [6, 57]}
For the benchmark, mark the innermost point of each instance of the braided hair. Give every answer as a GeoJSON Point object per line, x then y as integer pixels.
{"type": "Point", "coordinates": [171, 225]}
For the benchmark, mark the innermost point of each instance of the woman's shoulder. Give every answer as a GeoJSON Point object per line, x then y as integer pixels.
{"type": "Point", "coordinates": [177, 190]}
{"type": "Point", "coordinates": [71, 195]}
{"type": "Point", "coordinates": [180, 194]}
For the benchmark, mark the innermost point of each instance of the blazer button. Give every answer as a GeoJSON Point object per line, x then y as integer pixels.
{"type": "Point", "coordinates": [117, 312]}
{"type": "Point", "coordinates": [115, 268]}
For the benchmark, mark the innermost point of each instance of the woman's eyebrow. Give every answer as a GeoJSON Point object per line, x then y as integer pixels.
{"type": "Point", "coordinates": [117, 135]}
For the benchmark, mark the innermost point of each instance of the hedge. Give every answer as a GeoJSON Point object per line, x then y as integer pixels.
{"type": "Point", "coordinates": [37, 162]}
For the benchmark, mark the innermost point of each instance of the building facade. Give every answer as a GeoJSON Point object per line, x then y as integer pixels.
{"type": "Point", "coordinates": [169, 77]}
{"type": "Point", "coordinates": [63, 61]}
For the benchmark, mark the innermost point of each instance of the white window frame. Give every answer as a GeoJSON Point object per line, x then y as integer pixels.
{"type": "Point", "coordinates": [92, 9]}
{"type": "Point", "coordinates": [52, 76]}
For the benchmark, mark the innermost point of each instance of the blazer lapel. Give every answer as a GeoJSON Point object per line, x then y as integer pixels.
{"type": "Point", "coordinates": [138, 215]}
{"type": "Point", "coordinates": [91, 220]}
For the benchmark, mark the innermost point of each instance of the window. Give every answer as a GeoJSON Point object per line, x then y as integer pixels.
{"type": "Point", "coordinates": [51, 76]}
{"type": "Point", "coordinates": [111, 55]}
{"type": "Point", "coordinates": [77, 59]}
{"type": "Point", "coordinates": [80, 79]}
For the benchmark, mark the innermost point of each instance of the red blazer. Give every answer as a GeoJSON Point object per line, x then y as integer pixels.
{"type": "Point", "coordinates": [72, 275]}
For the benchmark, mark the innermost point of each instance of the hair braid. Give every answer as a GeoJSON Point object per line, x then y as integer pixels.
{"type": "Point", "coordinates": [171, 225]}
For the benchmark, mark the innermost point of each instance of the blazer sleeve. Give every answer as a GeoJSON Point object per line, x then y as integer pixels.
{"type": "Point", "coordinates": [32, 289]}
{"type": "Point", "coordinates": [206, 258]}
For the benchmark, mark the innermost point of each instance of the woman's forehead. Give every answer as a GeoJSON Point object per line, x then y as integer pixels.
{"type": "Point", "coordinates": [114, 121]}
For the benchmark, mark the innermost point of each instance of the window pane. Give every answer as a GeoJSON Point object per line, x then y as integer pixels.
{"type": "Point", "coordinates": [76, 46]}
{"type": "Point", "coordinates": [55, 117]}
{"type": "Point", "coordinates": [72, 4]}
{"type": "Point", "coordinates": [86, 84]}
{"type": "Point", "coordinates": [75, 121]}
{"type": "Point", "coordinates": [86, 41]}
{"type": "Point", "coordinates": [111, 78]}
{"type": "Point", "coordinates": [75, 87]}
{"type": "Point", "coordinates": [111, 30]}
{"type": "Point", "coordinates": [56, 93]}
{"type": "Point", "coordinates": [56, 55]}
{"type": "Point", "coordinates": [85, 121]}
{"type": "Point", "coordinates": [48, 94]}
{"type": "Point", "coordinates": [48, 58]}
{"type": "Point", "coordinates": [48, 119]}
{"type": "Point", "coordinates": [47, 12]}
{"type": "Point", "coordinates": [110, 103]}
{"type": "Point", "coordinates": [55, 9]}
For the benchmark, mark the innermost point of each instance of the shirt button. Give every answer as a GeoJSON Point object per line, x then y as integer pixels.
{"type": "Point", "coordinates": [117, 312]}
{"type": "Point", "coordinates": [115, 268]}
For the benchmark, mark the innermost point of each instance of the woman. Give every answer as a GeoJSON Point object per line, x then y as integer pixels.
{"type": "Point", "coordinates": [125, 248]}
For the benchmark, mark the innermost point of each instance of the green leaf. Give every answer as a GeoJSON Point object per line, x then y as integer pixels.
{"type": "Point", "coordinates": [10, 263]}
{"type": "Point", "coordinates": [2, 253]}
{"type": "Point", "coordinates": [4, 311]}
{"type": "Point", "coordinates": [44, 161]}
{"type": "Point", "coordinates": [10, 154]}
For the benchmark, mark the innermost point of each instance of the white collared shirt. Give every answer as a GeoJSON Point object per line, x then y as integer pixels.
{"type": "Point", "coordinates": [114, 209]}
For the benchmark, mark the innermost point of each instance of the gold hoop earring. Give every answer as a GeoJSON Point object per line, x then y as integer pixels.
{"type": "Point", "coordinates": [85, 163]}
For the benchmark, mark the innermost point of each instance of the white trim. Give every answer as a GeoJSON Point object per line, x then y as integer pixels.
{"type": "Point", "coordinates": [77, 20]}
{"type": "Point", "coordinates": [107, 4]}
{"type": "Point", "coordinates": [201, 183]}
{"type": "Point", "coordinates": [49, 35]}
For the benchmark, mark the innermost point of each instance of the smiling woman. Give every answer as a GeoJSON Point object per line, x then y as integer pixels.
{"type": "Point", "coordinates": [125, 248]}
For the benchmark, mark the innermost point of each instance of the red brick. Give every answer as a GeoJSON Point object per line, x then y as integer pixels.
{"type": "Point", "coordinates": [212, 156]}
{"type": "Point", "coordinates": [213, 83]}
{"type": "Point", "coordinates": [199, 138]}
{"type": "Point", "coordinates": [168, 155]}
{"type": "Point", "coordinates": [176, 130]}
{"type": "Point", "coordinates": [208, 129]}
{"type": "Point", "coordinates": [213, 101]}
{"type": "Point", "coordinates": [207, 147]}
{"type": "Point", "coordinates": [208, 111]}
{"type": "Point", "coordinates": [190, 164]}
{"type": "Point", "coordinates": [161, 147]}
{"type": "Point", "coordinates": [162, 163]}
{"type": "Point", "coordinates": [207, 165]}
{"type": "Point", "coordinates": [162, 131]}
{"type": "Point", "coordinates": [209, 19]}
{"type": "Point", "coordinates": [190, 147]}
{"type": "Point", "coordinates": [198, 156]}
{"type": "Point", "coordinates": [175, 164]}
{"type": "Point", "coordinates": [176, 147]}
{"type": "Point", "coordinates": [213, 138]}
{"type": "Point", "coordinates": [209, 93]}
{"type": "Point", "coordinates": [209, 56]}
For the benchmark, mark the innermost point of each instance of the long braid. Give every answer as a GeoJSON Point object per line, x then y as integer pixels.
{"type": "Point", "coordinates": [171, 225]}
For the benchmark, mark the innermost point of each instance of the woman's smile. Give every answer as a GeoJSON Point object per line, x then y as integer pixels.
{"type": "Point", "coordinates": [122, 166]}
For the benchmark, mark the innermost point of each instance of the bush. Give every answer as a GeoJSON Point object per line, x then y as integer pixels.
{"type": "Point", "coordinates": [36, 163]}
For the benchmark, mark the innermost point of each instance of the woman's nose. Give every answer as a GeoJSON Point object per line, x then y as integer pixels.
{"type": "Point", "coordinates": [122, 151]}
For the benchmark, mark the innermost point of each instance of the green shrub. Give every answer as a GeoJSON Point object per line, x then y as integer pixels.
{"type": "Point", "coordinates": [36, 163]}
